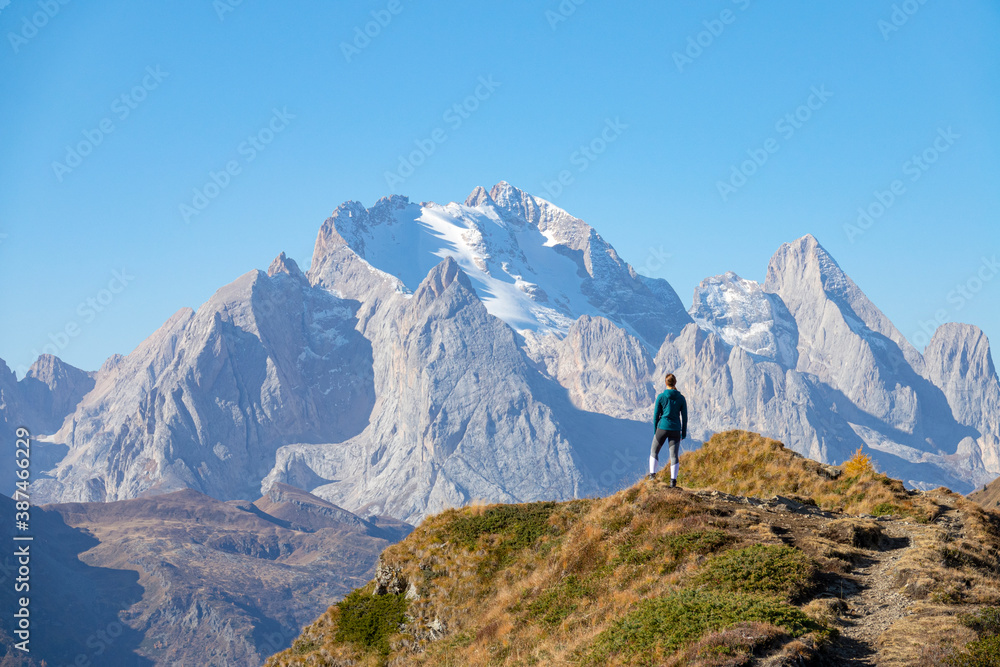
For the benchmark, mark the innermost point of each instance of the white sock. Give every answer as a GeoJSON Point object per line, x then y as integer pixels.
{"type": "Point", "coordinates": [673, 470]}
{"type": "Point", "coordinates": [652, 465]}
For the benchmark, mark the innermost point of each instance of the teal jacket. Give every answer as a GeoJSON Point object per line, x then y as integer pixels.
{"type": "Point", "coordinates": [671, 413]}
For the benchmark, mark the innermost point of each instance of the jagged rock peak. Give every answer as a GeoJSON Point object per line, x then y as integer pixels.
{"type": "Point", "coordinates": [805, 260]}
{"type": "Point", "coordinates": [381, 212]}
{"type": "Point", "coordinates": [50, 369]}
{"type": "Point", "coordinates": [392, 202]}
{"type": "Point", "coordinates": [284, 264]}
{"type": "Point", "coordinates": [744, 315]}
{"type": "Point", "coordinates": [517, 202]}
{"type": "Point", "coordinates": [112, 362]}
{"type": "Point", "coordinates": [479, 197]}
{"type": "Point", "coordinates": [963, 347]}
{"type": "Point", "coordinates": [442, 276]}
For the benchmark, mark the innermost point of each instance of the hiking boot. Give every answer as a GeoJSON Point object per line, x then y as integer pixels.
{"type": "Point", "coordinates": [651, 475]}
{"type": "Point", "coordinates": [673, 484]}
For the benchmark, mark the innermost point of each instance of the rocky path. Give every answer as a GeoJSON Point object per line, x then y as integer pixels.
{"type": "Point", "coordinates": [872, 601]}
{"type": "Point", "coordinates": [866, 601]}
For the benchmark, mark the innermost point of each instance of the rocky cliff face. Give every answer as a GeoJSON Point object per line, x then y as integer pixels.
{"type": "Point", "coordinates": [40, 402]}
{"type": "Point", "coordinates": [958, 360]}
{"type": "Point", "coordinates": [743, 315]}
{"type": "Point", "coordinates": [206, 401]}
{"type": "Point", "coordinates": [460, 414]}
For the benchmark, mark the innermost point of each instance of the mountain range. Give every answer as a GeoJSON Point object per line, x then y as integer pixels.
{"type": "Point", "coordinates": [495, 350]}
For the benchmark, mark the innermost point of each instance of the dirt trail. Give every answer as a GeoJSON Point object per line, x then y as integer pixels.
{"type": "Point", "coordinates": [866, 600]}
{"type": "Point", "coordinates": [872, 601]}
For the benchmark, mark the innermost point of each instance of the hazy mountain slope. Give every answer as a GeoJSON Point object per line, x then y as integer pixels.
{"type": "Point", "coordinates": [959, 361]}
{"type": "Point", "coordinates": [183, 578]}
{"type": "Point", "coordinates": [39, 402]}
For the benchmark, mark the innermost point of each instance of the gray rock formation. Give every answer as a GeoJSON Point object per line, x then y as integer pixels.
{"type": "Point", "coordinates": [205, 402]}
{"type": "Point", "coordinates": [460, 412]}
{"type": "Point", "coordinates": [39, 402]}
{"type": "Point", "coordinates": [958, 360]}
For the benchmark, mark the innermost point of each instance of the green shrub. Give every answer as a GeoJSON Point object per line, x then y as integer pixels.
{"type": "Point", "coordinates": [983, 652]}
{"type": "Point", "coordinates": [518, 525]}
{"type": "Point", "coordinates": [986, 621]}
{"type": "Point", "coordinates": [697, 542]}
{"type": "Point", "coordinates": [301, 647]}
{"type": "Point", "coordinates": [558, 602]}
{"type": "Point", "coordinates": [369, 621]}
{"type": "Point", "coordinates": [657, 627]}
{"type": "Point", "coordinates": [886, 509]}
{"type": "Point", "coordinates": [669, 549]}
{"type": "Point", "coordinates": [768, 569]}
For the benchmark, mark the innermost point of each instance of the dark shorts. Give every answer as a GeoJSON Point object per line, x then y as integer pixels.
{"type": "Point", "coordinates": [672, 437]}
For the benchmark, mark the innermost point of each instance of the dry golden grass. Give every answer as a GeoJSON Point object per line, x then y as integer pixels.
{"type": "Point", "coordinates": [747, 464]}
{"type": "Point", "coordinates": [593, 563]}
{"type": "Point", "coordinates": [924, 638]}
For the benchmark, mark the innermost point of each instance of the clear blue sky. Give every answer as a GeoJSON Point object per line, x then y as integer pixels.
{"type": "Point", "coordinates": [892, 94]}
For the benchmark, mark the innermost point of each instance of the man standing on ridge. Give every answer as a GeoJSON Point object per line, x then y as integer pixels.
{"type": "Point", "coordinates": [670, 422]}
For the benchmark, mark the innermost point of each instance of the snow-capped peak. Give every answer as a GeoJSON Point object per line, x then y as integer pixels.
{"type": "Point", "coordinates": [532, 264]}
{"type": "Point", "coordinates": [744, 315]}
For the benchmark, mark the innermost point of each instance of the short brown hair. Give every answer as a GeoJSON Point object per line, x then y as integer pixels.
{"type": "Point", "coordinates": [671, 380]}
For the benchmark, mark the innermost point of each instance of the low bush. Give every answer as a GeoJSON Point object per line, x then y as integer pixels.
{"type": "Point", "coordinates": [983, 652]}
{"type": "Point", "coordinates": [769, 569]}
{"type": "Point", "coordinates": [657, 627]}
{"type": "Point", "coordinates": [369, 620]}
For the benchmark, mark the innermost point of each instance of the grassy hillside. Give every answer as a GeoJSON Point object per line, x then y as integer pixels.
{"type": "Point", "coordinates": [988, 496]}
{"type": "Point", "coordinates": [697, 576]}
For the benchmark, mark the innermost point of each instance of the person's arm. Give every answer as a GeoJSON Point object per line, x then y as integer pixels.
{"type": "Point", "coordinates": [657, 413]}
{"type": "Point", "coordinates": [684, 418]}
